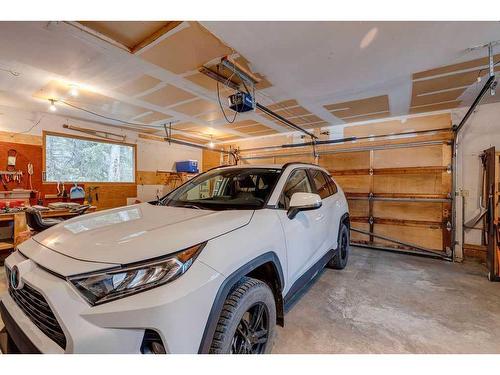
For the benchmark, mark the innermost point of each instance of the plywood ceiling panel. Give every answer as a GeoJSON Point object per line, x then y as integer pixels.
{"type": "Point", "coordinates": [438, 97]}
{"type": "Point", "coordinates": [263, 132]}
{"type": "Point", "coordinates": [215, 116]}
{"type": "Point", "coordinates": [435, 107]}
{"type": "Point", "coordinates": [186, 50]}
{"type": "Point", "coordinates": [371, 116]}
{"type": "Point", "coordinates": [129, 33]}
{"type": "Point", "coordinates": [243, 123]}
{"type": "Point", "coordinates": [167, 96]}
{"type": "Point", "coordinates": [454, 67]}
{"type": "Point", "coordinates": [153, 117]}
{"type": "Point", "coordinates": [397, 126]}
{"type": "Point", "coordinates": [365, 106]}
{"type": "Point", "coordinates": [196, 107]}
{"type": "Point", "coordinates": [138, 85]}
{"type": "Point", "coordinates": [185, 125]}
{"type": "Point", "coordinates": [445, 83]}
{"type": "Point", "coordinates": [292, 111]}
{"type": "Point", "coordinates": [283, 104]}
{"type": "Point", "coordinates": [253, 128]}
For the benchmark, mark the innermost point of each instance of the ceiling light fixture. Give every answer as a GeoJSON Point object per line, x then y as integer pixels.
{"type": "Point", "coordinates": [368, 38]}
{"type": "Point", "coordinates": [211, 144]}
{"type": "Point", "coordinates": [52, 106]}
{"type": "Point", "coordinates": [73, 90]}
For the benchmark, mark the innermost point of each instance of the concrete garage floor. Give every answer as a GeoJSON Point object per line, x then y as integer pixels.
{"type": "Point", "coordinates": [392, 303]}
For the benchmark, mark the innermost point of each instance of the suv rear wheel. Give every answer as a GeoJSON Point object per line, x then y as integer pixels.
{"type": "Point", "coordinates": [247, 321]}
{"type": "Point", "coordinates": [339, 260]}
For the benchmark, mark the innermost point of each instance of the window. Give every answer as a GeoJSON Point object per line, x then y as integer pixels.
{"type": "Point", "coordinates": [333, 186]}
{"type": "Point", "coordinates": [73, 159]}
{"type": "Point", "coordinates": [321, 183]}
{"type": "Point", "coordinates": [228, 188]}
{"type": "Point", "coordinates": [297, 183]}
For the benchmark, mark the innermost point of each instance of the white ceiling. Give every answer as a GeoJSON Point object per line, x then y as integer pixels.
{"type": "Point", "coordinates": [323, 62]}
{"type": "Point", "coordinates": [314, 62]}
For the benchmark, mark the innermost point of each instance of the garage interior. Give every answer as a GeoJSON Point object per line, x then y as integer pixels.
{"type": "Point", "coordinates": [412, 139]}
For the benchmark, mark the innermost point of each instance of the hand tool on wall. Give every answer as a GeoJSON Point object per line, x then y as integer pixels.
{"type": "Point", "coordinates": [30, 173]}
{"type": "Point", "coordinates": [11, 160]}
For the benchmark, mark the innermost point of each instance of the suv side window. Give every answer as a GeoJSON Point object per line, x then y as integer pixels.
{"type": "Point", "coordinates": [298, 182]}
{"type": "Point", "coordinates": [320, 183]}
{"type": "Point", "coordinates": [333, 186]}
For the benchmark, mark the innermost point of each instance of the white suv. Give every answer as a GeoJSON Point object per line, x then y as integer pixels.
{"type": "Point", "coordinates": [209, 268]}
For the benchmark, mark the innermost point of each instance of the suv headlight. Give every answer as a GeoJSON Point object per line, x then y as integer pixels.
{"type": "Point", "coordinates": [105, 286]}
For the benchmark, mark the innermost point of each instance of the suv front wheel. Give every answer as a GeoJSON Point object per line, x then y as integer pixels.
{"type": "Point", "coordinates": [247, 321]}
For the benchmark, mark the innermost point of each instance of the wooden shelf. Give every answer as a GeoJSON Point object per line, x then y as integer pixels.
{"type": "Point", "coordinates": [6, 244]}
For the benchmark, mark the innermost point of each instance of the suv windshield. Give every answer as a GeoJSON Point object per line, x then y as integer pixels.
{"type": "Point", "coordinates": [223, 189]}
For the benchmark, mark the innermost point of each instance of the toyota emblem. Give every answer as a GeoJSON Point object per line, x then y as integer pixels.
{"type": "Point", "coordinates": [15, 280]}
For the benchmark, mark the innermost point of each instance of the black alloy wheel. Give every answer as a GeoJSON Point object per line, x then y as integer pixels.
{"type": "Point", "coordinates": [251, 335]}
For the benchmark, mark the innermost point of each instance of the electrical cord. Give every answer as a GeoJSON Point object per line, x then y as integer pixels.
{"type": "Point", "coordinates": [30, 129]}
{"type": "Point", "coordinates": [220, 103]}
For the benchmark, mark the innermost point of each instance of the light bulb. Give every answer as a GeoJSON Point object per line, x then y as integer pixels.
{"type": "Point", "coordinates": [52, 106]}
{"type": "Point", "coordinates": [211, 144]}
{"type": "Point", "coordinates": [73, 90]}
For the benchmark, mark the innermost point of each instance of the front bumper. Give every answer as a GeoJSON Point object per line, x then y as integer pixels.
{"type": "Point", "coordinates": [178, 311]}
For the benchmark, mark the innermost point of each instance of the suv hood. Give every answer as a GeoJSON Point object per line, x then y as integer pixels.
{"type": "Point", "coordinates": [138, 232]}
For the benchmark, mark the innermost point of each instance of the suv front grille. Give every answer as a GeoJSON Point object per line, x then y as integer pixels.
{"type": "Point", "coordinates": [38, 311]}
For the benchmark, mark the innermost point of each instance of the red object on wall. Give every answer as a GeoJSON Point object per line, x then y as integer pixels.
{"type": "Point", "coordinates": [29, 154]}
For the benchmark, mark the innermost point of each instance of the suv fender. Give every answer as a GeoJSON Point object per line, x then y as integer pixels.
{"type": "Point", "coordinates": [227, 285]}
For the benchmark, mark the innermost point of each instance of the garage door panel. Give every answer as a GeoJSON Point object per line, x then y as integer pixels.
{"type": "Point", "coordinates": [259, 161]}
{"type": "Point", "coordinates": [359, 237]}
{"type": "Point", "coordinates": [430, 238]}
{"type": "Point", "coordinates": [354, 184]}
{"type": "Point", "coordinates": [359, 208]}
{"type": "Point", "coordinates": [346, 161]}
{"type": "Point", "coordinates": [426, 156]}
{"type": "Point", "coordinates": [409, 184]}
{"type": "Point", "coordinates": [425, 211]}
{"type": "Point", "coordinates": [296, 158]}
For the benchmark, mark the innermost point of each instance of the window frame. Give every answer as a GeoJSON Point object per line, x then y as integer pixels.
{"type": "Point", "coordinates": [65, 135]}
{"type": "Point", "coordinates": [308, 176]}
{"type": "Point", "coordinates": [333, 186]}
{"type": "Point", "coordinates": [327, 180]}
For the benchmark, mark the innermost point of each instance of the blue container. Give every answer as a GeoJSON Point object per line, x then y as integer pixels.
{"type": "Point", "coordinates": [189, 166]}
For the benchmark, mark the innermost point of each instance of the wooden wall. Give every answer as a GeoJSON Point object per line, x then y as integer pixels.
{"type": "Point", "coordinates": [29, 149]}
{"type": "Point", "coordinates": [394, 189]}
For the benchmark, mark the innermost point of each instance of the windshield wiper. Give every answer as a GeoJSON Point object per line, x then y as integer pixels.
{"type": "Point", "coordinates": [192, 206]}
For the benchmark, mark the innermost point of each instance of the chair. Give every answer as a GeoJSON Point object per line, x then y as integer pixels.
{"type": "Point", "coordinates": [36, 222]}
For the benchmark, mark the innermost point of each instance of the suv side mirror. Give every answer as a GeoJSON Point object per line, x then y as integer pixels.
{"type": "Point", "coordinates": [303, 202]}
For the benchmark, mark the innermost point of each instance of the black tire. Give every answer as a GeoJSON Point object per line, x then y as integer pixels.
{"type": "Point", "coordinates": [238, 331]}
{"type": "Point", "coordinates": [339, 260]}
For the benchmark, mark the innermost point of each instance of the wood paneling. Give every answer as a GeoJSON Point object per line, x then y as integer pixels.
{"type": "Point", "coordinates": [112, 195]}
{"type": "Point", "coordinates": [186, 49]}
{"type": "Point", "coordinates": [397, 126]}
{"type": "Point", "coordinates": [210, 159]}
{"type": "Point", "coordinates": [167, 96]}
{"type": "Point", "coordinates": [128, 33]}
{"type": "Point", "coordinates": [138, 85]}
{"type": "Point", "coordinates": [360, 109]}
{"type": "Point", "coordinates": [197, 107]}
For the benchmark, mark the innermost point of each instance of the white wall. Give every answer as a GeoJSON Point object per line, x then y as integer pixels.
{"type": "Point", "coordinates": [482, 131]}
{"type": "Point", "coordinates": [151, 155]}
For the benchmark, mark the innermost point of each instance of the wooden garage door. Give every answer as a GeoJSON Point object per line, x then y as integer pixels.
{"type": "Point", "coordinates": [398, 188]}
{"type": "Point", "coordinates": [398, 193]}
